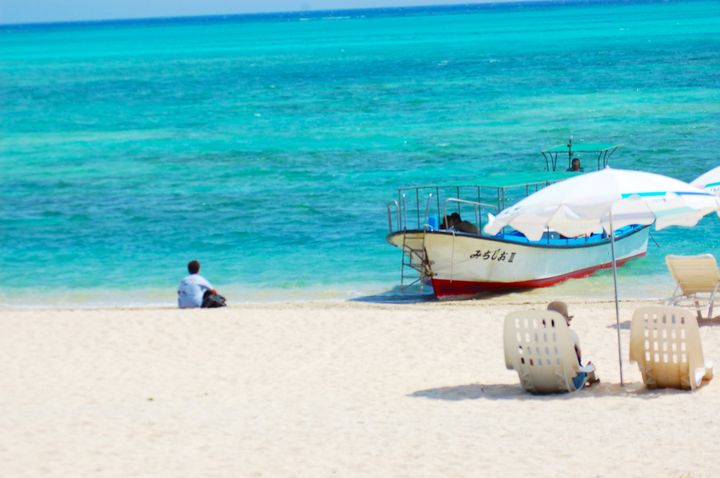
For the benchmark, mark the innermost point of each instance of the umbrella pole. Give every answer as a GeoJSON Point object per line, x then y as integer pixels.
{"type": "Point", "coordinates": [617, 303]}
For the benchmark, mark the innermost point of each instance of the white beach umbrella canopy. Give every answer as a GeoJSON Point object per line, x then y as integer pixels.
{"type": "Point", "coordinates": [584, 204]}
{"type": "Point", "coordinates": [709, 181]}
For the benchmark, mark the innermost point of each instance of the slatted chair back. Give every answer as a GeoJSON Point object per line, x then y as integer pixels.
{"type": "Point", "coordinates": [539, 347]}
{"type": "Point", "coordinates": [665, 343]}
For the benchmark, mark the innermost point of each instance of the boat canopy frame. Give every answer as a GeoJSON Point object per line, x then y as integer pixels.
{"type": "Point", "coordinates": [495, 193]}
{"type": "Point", "coordinates": [602, 152]}
{"type": "Point", "coordinates": [414, 204]}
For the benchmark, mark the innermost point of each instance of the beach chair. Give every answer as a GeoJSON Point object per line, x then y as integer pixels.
{"type": "Point", "coordinates": [694, 275]}
{"type": "Point", "coordinates": [538, 346]}
{"type": "Point", "coordinates": [665, 343]}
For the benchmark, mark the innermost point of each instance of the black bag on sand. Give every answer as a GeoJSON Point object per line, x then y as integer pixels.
{"type": "Point", "coordinates": [211, 301]}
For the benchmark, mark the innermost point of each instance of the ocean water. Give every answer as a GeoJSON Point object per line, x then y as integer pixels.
{"type": "Point", "coordinates": [267, 146]}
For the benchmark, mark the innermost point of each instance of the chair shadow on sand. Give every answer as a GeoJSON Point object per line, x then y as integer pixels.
{"type": "Point", "coordinates": [624, 325]}
{"type": "Point", "coordinates": [714, 322]}
{"type": "Point", "coordinates": [502, 391]}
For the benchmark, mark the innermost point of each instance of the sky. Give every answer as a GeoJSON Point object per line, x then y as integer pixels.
{"type": "Point", "coordinates": [38, 11]}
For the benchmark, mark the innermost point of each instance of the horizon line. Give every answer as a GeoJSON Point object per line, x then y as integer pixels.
{"type": "Point", "coordinates": [297, 13]}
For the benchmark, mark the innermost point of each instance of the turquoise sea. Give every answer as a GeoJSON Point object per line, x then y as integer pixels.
{"type": "Point", "coordinates": [267, 146]}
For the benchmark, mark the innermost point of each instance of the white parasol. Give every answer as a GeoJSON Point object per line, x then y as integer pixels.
{"type": "Point", "coordinates": [709, 181]}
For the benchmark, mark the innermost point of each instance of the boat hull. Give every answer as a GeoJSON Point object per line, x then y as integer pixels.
{"type": "Point", "coordinates": [465, 265]}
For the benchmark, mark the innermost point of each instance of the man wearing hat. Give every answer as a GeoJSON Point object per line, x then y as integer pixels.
{"type": "Point", "coordinates": [562, 309]}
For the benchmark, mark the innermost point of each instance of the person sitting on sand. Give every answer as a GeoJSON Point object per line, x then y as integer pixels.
{"type": "Point", "coordinates": [562, 309]}
{"type": "Point", "coordinates": [195, 291]}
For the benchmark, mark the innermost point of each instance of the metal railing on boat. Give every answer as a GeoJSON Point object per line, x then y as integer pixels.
{"type": "Point", "coordinates": [414, 205]}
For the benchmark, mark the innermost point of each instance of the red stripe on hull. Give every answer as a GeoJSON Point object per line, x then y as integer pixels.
{"type": "Point", "coordinates": [444, 288]}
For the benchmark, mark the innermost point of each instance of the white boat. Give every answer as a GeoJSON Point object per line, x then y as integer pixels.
{"type": "Point", "coordinates": [463, 264]}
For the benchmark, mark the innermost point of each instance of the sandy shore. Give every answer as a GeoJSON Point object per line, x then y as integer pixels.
{"type": "Point", "coordinates": [329, 389]}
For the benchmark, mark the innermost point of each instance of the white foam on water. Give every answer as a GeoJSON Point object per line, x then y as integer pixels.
{"type": "Point", "coordinates": [163, 298]}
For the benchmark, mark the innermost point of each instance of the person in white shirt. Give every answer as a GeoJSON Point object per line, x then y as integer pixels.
{"type": "Point", "coordinates": [562, 309]}
{"type": "Point", "coordinates": [193, 288]}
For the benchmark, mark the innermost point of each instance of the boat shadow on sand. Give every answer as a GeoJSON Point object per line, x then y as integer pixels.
{"type": "Point", "coordinates": [501, 391]}
{"type": "Point", "coordinates": [398, 295]}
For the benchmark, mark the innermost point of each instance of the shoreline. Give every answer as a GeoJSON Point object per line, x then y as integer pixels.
{"type": "Point", "coordinates": [330, 302]}
{"type": "Point", "coordinates": [657, 287]}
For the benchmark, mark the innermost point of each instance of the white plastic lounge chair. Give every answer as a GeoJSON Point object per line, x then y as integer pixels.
{"type": "Point", "coordinates": [665, 343]}
{"type": "Point", "coordinates": [694, 275]}
{"type": "Point", "coordinates": [539, 347]}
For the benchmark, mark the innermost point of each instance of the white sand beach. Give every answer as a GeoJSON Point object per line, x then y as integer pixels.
{"type": "Point", "coordinates": [330, 389]}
